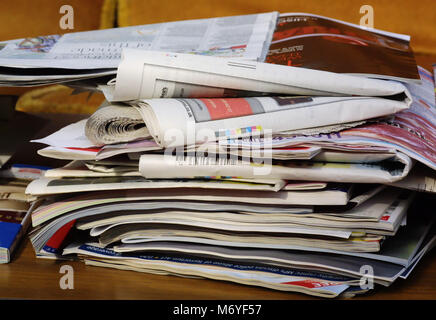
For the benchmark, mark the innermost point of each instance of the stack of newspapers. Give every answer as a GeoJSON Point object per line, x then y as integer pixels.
{"type": "Point", "coordinates": [287, 151]}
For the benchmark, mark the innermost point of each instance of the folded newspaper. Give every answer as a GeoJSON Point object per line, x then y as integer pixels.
{"type": "Point", "coordinates": [149, 74]}
{"type": "Point", "coordinates": [196, 121]}
{"type": "Point", "coordinates": [114, 124]}
{"type": "Point", "coordinates": [251, 158]}
{"type": "Point", "coordinates": [322, 43]}
{"type": "Point", "coordinates": [157, 166]}
{"type": "Point", "coordinates": [88, 58]}
{"type": "Point", "coordinates": [99, 49]}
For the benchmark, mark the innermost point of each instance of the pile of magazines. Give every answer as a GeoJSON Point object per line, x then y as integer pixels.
{"type": "Point", "coordinates": [293, 152]}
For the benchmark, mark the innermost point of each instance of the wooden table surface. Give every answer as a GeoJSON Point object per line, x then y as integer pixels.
{"type": "Point", "coordinates": [27, 277]}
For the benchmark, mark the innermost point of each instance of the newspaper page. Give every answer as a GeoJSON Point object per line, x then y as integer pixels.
{"type": "Point", "coordinates": [427, 245]}
{"type": "Point", "coordinates": [89, 210]}
{"type": "Point", "coordinates": [284, 141]}
{"type": "Point", "coordinates": [360, 216]}
{"type": "Point", "coordinates": [26, 77]}
{"type": "Point", "coordinates": [279, 199]}
{"type": "Point", "coordinates": [254, 147]}
{"type": "Point", "coordinates": [313, 283]}
{"type": "Point", "coordinates": [411, 131]}
{"type": "Point", "coordinates": [299, 153]}
{"type": "Point", "coordinates": [81, 169]}
{"type": "Point", "coordinates": [403, 245]}
{"type": "Point", "coordinates": [136, 216]}
{"type": "Point", "coordinates": [195, 121]}
{"type": "Point", "coordinates": [150, 74]}
{"type": "Point", "coordinates": [58, 216]}
{"type": "Point", "coordinates": [246, 36]}
{"type": "Point", "coordinates": [383, 271]}
{"type": "Point", "coordinates": [156, 166]}
{"type": "Point", "coordinates": [421, 178]}
{"type": "Point", "coordinates": [289, 228]}
{"type": "Point", "coordinates": [317, 42]}
{"type": "Point", "coordinates": [47, 185]}
{"type": "Point", "coordinates": [396, 250]}
{"type": "Point", "coordinates": [327, 155]}
{"type": "Point", "coordinates": [143, 233]}
{"type": "Point", "coordinates": [304, 185]}
{"type": "Point", "coordinates": [69, 153]}
{"type": "Point", "coordinates": [96, 169]}
{"type": "Point", "coordinates": [43, 234]}
{"type": "Point", "coordinates": [72, 136]}
{"type": "Point", "coordinates": [137, 228]}
{"type": "Point", "coordinates": [83, 140]}
{"type": "Point", "coordinates": [134, 149]}
{"type": "Point", "coordinates": [131, 148]}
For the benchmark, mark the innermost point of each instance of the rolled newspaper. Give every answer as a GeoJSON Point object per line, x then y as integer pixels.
{"type": "Point", "coordinates": [114, 123]}
{"type": "Point", "coordinates": [148, 74]}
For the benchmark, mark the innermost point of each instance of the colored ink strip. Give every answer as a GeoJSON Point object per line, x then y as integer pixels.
{"type": "Point", "coordinates": [239, 131]}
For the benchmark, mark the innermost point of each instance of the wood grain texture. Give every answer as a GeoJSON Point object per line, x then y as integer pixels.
{"type": "Point", "coordinates": [27, 277]}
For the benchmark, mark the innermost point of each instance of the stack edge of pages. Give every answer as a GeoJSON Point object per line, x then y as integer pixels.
{"type": "Point", "coordinates": [246, 159]}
